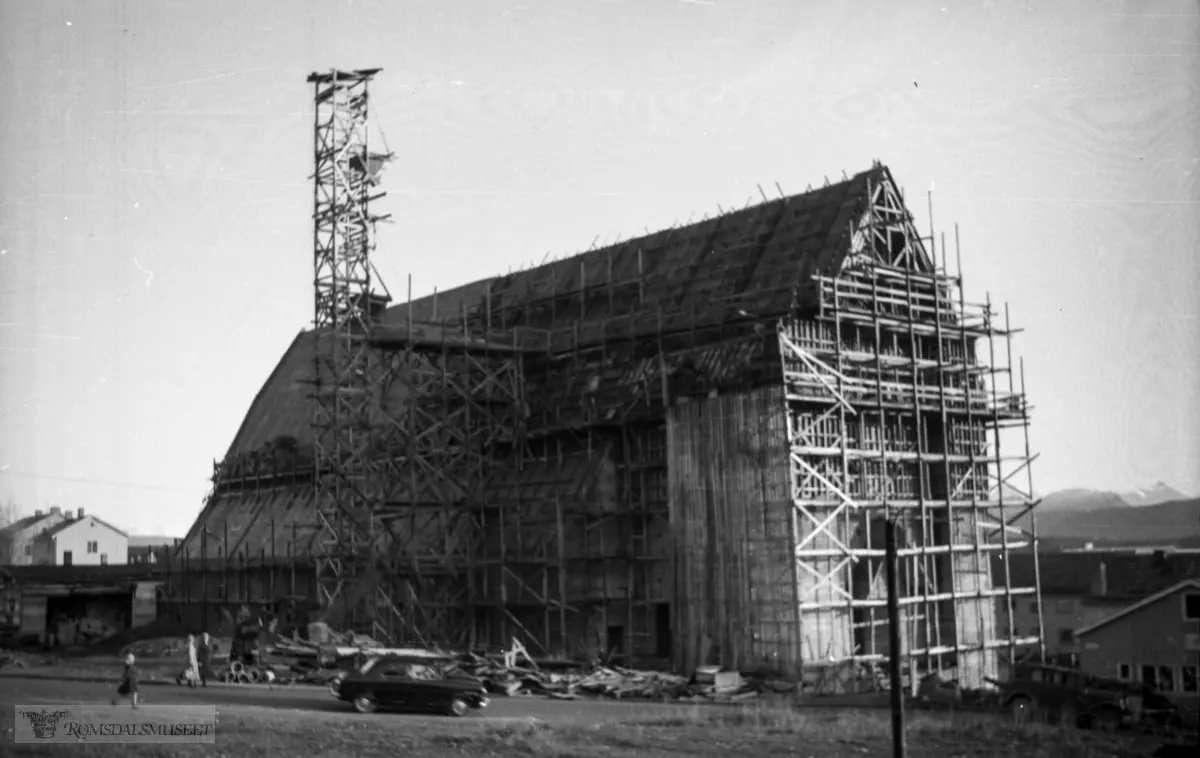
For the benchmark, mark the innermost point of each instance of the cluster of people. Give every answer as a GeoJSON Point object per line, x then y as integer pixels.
{"type": "Point", "coordinates": [199, 669]}
{"type": "Point", "coordinates": [200, 653]}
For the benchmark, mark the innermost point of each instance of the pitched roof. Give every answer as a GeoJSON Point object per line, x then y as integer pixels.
{"type": "Point", "coordinates": [26, 522]}
{"type": "Point", "coordinates": [1172, 590]}
{"type": "Point", "coordinates": [1128, 575]}
{"type": "Point", "coordinates": [65, 525]}
{"type": "Point", "coordinates": [752, 259]}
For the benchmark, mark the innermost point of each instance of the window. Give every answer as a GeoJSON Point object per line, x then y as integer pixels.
{"type": "Point", "coordinates": [93, 547]}
{"type": "Point", "coordinates": [1191, 606]}
{"type": "Point", "coordinates": [1166, 678]}
{"type": "Point", "coordinates": [1159, 677]}
{"type": "Point", "coordinates": [1148, 676]}
{"type": "Point", "coordinates": [1066, 636]}
{"type": "Point", "coordinates": [66, 558]}
{"type": "Point", "coordinates": [28, 550]}
{"type": "Point", "coordinates": [1189, 681]}
{"type": "Point", "coordinates": [1124, 672]}
{"type": "Point", "coordinates": [418, 671]}
{"type": "Point", "coordinates": [104, 559]}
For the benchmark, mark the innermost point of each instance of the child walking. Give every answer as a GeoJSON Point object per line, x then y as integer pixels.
{"type": "Point", "coordinates": [129, 682]}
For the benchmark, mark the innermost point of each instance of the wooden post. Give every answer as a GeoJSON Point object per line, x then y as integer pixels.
{"type": "Point", "coordinates": [225, 564]}
{"type": "Point", "coordinates": [274, 562]}
{"type": "Point", "coordinates": [185, 583]}
{"type": "Point", "coordinates": [204, 577]}
{"type": "Point", "coordinates": [292, 562]}
{"type": "Point", "coordinates": [893, 612]}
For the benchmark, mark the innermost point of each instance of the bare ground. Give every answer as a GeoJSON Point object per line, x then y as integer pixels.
{"type": "Point", "coordinates": [697, 732]}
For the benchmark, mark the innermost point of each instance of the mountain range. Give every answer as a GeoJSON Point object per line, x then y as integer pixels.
{"type": "Point", "coordinates": [1159, 515]}
{"type": "Point", "coordinates": [1160, 493]}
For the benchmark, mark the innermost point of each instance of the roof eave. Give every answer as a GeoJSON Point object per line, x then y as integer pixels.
{"type": "Point", "coordinates": [1161, 595]}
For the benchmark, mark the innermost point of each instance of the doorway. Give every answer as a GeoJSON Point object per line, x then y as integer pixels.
{"type": "Point", "coordinates": [662, 630]}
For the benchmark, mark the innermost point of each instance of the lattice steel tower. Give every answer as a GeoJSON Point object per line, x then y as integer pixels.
{"type": "Point", "coordinates": [349, 546]}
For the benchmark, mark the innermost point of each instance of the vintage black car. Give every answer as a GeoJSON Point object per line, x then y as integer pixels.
{"type": "Point", "coordinates": [1067, 696]}
{"type": "Point", "coordinates": [410, 684]}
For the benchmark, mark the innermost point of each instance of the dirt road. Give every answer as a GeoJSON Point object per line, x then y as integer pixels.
{"type": "Point", "coordinates": [319, 702]}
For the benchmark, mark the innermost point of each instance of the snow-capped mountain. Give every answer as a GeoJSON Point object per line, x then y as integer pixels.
{"type": "Point", "coordinates": [1161, 492]}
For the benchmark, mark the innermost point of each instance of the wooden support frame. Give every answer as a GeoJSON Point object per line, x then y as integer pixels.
{"type": "Point", "coordinates": [896, 294]}
{"type": "Point", "coordinates": [454, 558]}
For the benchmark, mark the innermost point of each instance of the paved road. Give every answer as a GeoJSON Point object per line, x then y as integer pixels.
{"type": "Point", "coordinates": [260, 701]}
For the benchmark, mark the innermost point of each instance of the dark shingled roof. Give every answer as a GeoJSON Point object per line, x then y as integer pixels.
{"type": "Point", "coordinates": [24, 522]}
{"type": "Point", "coordinates": [693, 282]}
{"type": "Point", "coordinates": [752, 259]}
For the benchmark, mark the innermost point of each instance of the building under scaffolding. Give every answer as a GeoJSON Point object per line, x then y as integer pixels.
{"type": "Point", "coordinates": [677, 449]}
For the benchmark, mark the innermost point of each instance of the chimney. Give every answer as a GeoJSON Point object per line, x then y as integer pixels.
{"type": "Point", "coordinates": [1100, 582]}
{"type": "Point", "coordinates": [55, 510]}
{"type": "Point", "coordinates": [38, 513]}
{"type": "Point", "coordinates": [80, 516]}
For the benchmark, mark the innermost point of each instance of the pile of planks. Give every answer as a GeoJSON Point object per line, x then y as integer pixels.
{"type": "Point", "coordinates": [515, 673]}
{"type": "Point", "coordinates": [509, 678]}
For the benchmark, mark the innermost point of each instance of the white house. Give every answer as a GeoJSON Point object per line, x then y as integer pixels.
{"type": "Point", "coordinates": [16, 539]}
{"type": "Point", "coordinates": [82, 541]}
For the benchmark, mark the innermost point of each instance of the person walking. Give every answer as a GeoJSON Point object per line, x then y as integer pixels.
{"type": "Point", "coordinates": [129, 682]}
{"type": "Point", "coordinates": [203, 659]}
{"type": "Point", "coordinates": [192, 672]}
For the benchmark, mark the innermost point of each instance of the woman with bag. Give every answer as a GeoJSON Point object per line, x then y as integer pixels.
{"type": "Point", "coordinates": [192, 672]}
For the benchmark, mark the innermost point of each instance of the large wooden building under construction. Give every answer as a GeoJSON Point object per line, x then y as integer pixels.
{"type": "Point", "coordinates": [679, 448]}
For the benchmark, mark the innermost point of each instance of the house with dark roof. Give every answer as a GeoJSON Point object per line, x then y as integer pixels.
{"type": "Point", "coordinates": [16, 539]}
{"type": "Point", "coordinates": [1080, 589]}
{"type": "Point", "coordinates": [1155, 641]}
{"type": "Point", "coordinates": [81, 541]}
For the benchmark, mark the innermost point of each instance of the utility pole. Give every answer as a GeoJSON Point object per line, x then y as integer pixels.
{"type": "Point", "coordinates": [899, 749]}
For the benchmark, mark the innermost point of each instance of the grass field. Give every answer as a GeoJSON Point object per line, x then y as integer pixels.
{"type": "Point", "coordinates": [694, 732]}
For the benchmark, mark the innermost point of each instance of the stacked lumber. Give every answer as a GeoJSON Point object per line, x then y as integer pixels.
{"type": "Point", "coordinates": [515, 673]}
{"type": "Point", "coordinates": [617, 682]}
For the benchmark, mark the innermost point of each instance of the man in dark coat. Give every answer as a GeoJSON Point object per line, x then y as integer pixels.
{"type": "Point", "coordinates": [204, 659]}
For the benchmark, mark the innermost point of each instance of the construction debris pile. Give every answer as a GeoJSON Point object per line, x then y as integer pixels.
{"type": "Point", "coordinates": [514, 673]}
{"type": "Point", "coordinates": [608, 681]}
{"type": "Point", "coordinates": [15, 659]}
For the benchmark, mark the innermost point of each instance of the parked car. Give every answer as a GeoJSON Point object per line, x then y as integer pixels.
{"type": "Point", "coordinates": [1067, 696]}
{"type": "Point", "coordinates": [410, 684]}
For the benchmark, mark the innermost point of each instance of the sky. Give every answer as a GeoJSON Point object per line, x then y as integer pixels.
{"type": "Point", "coordinates": [155, 207]}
